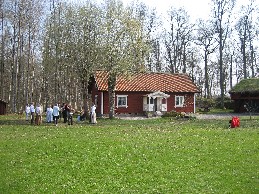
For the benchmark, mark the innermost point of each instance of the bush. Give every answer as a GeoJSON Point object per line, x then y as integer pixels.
{"type": "Point", "coordinates": [170, 114]}
{"type": "Point", "coordinates": [214, 102]}
{"type": "Point", "coordinates": [174, 114]}
{"type": "Point", "coordinates": [205, 102]}
{"type": "Point", "coordinates": [228, 103]}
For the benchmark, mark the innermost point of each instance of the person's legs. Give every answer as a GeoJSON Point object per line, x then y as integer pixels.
{"type": "Point", "coordinates": [55, 120]}
{"type": "Point", "coordinates": [27, 116]}
{"type": "Point", "coordinates": [32, 117]}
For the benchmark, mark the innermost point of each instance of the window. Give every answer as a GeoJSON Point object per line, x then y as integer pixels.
{"type": "Point", "coordinates": [122, 101]}
{"type": "Point", "coordinates": [179, 101]}
{"type": "Point", "coordinates": [163, 100]}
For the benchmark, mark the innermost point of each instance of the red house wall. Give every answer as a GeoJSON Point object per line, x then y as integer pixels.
{"type": "Point", "coordinates": [135, 102]}
{"type": "Point", "coordinates": [188, 102]}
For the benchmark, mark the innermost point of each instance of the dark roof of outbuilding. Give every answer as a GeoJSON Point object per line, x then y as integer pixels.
{"type": "Point", "coordinates": [246, 86]}
{"type": "Point", "coordinates": [148, 82]}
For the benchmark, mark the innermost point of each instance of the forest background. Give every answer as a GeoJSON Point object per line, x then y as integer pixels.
{"type": "Point", "coordinates": [50, 48]}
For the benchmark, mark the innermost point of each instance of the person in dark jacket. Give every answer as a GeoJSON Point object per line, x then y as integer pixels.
{"type": "Point", "coordinates": [64, 112]}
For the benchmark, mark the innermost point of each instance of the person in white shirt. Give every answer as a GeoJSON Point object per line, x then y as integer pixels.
{"type": "Point", "coordinates": [27, 112]}
{"type": "Point", "coordinates": [93, 114]}
{"type": "Point", "coordinates": [56, 114]}
{"type": "Point", "coordinates": [38, 112]}
{"type": "Point", "coordinates": [49, 112]}
{"type": "Point", "coordinates": [32, 110]}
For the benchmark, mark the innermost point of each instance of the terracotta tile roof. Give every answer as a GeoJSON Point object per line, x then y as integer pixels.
{"type": "Point", "coordinates": [149, 82]}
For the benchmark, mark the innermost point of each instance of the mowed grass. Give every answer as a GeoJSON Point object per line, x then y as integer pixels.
{"type": "Point", "coordinates": [122, 156]}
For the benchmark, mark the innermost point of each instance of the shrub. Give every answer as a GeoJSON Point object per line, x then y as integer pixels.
{"type": "Point", "coordinates": [228, 103]}
{"type": "Point", "coordinates": [171, 114]}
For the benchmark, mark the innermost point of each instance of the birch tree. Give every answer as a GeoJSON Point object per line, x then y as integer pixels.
{"type": "Point", "coordinates": [124, 45]}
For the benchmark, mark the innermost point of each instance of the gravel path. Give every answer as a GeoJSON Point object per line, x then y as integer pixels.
{"type": "Point", "coordinates": [198, 116]}
{"type": "Point", "coordinates": [220, 115]}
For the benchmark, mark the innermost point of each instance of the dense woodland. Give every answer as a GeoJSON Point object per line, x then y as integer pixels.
{"type": "Point", "coordinates": [50, 48]}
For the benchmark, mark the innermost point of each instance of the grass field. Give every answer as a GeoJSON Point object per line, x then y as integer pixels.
{"type": "Point", "coordinates": [122, 156]}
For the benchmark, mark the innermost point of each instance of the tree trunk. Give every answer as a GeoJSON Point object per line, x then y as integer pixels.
{"type": "Point", "coordinates": [231, 72]}
{"type": "Point", "coordinates": [86, 97]}
{"type": "Point", "coordinates": [207, 89]}
{"type": "Point", "coordinates": [2, 66]}
{"type": "Point", "coordinates": [111, 91]}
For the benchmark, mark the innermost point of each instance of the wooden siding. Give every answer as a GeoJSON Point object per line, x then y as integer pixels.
{"type": "Point", "coordinates": [241, 99]}
{"type": "Point", "coordinates": [3, 107]}
{"type": "Point", "coordinates": [135, 102]}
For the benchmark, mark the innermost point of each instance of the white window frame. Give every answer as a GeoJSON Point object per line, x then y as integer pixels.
{"type": "Point", "coordinates": [181, 102]}
{"type": "Point", "coordinates": [122, 96]}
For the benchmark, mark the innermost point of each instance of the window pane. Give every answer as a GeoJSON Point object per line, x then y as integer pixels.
{"type": "Point", "coordinates": [179, 100]}
{"type": "Point", "coordinates": [121, 101]}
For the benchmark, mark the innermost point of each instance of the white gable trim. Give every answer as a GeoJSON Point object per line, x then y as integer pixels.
{"type": "Point", "coordinates": [158, 94]}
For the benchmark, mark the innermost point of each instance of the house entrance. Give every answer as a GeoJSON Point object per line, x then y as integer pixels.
{"type": "Point", "coordinates": [155, 102]}
{"type": "Point", "coordinates": [155, 105]}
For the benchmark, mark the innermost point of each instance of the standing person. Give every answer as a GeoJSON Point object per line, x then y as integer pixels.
{"type": "Point", "coordinates": [82, 115]}
{"type": "Point", "coordinates": [56, 114]}
{"type": "Point", "coordinates": [38, 112]}
{"type": "Point", "coordinates": [32, 110]}
{"type": "Point", "coordinates": [69, 114]}
{"type": "Point", "coordinates": [64, 112]}
{"type": "Point", "coordinates": [93, 114]}
{"type": "Point", "coordinates": [60, 110]}
{"type": "Point", "coordinates": [49, 117]}
{"type": "Point", "coordinates": [27, 111]}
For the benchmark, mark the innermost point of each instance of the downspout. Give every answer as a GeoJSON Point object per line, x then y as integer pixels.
{"type": "Point", "coordinates": [101, 103]}
{"type": "Point", "coordinates": [194, 103]}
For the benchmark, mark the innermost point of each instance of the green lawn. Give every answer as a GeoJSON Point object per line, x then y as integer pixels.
{"type": "Point", "coordinates": [121, 156]}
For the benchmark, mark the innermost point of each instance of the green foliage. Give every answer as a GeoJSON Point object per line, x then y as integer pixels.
{"type": "Point", "coordinates": [171, 114]}
{"type": "Point", "coordinates": [214, 103]}
{"type": "Point", "coordinates": [205, 102]}
{"type": "Point", "coordinates": [122, 156]}
{"type": "Point", "coordinates": [228, 103]}
{"type": "Point", "coordinates": [246, 85]}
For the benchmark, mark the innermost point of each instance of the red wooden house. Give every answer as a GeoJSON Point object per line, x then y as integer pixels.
{"type": "Point", "coordinates": [145, 92]}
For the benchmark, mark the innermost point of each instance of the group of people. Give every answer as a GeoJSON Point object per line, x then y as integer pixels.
{"type": "Point", "coordinates": [35, 113]}
{"type": "Point", "coordinates": [53, 114]}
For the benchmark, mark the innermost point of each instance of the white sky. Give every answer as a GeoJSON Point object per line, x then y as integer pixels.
{"type": "Point", "coordinates": [195, 8]}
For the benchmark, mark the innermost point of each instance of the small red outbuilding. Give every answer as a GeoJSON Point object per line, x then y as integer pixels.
{"type": "Point", "coordinates": [3, 107]}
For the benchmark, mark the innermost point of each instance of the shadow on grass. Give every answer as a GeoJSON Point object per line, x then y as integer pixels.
{"type": "Point", "coordinates": [20, 120]}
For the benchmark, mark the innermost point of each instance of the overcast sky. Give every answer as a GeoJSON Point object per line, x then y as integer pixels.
{"type": "Point", "coordinates": [195, 8]}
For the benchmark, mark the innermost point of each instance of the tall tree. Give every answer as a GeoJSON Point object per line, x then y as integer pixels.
{"type": "Point", "coordinates": [246, 29]}
{"type": "Point", "coordinates": [178, 39]}
{"type": "Point", "coordinates": [206, 39]}
{"type": "Point", "coordinates": [2, 59]}
{"type": "Point", "coordinates": [222, 10]}
{"type": "Point", "coordinates": [124, 45]}
{"type": "Point", "coordinates": [88, 44]}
